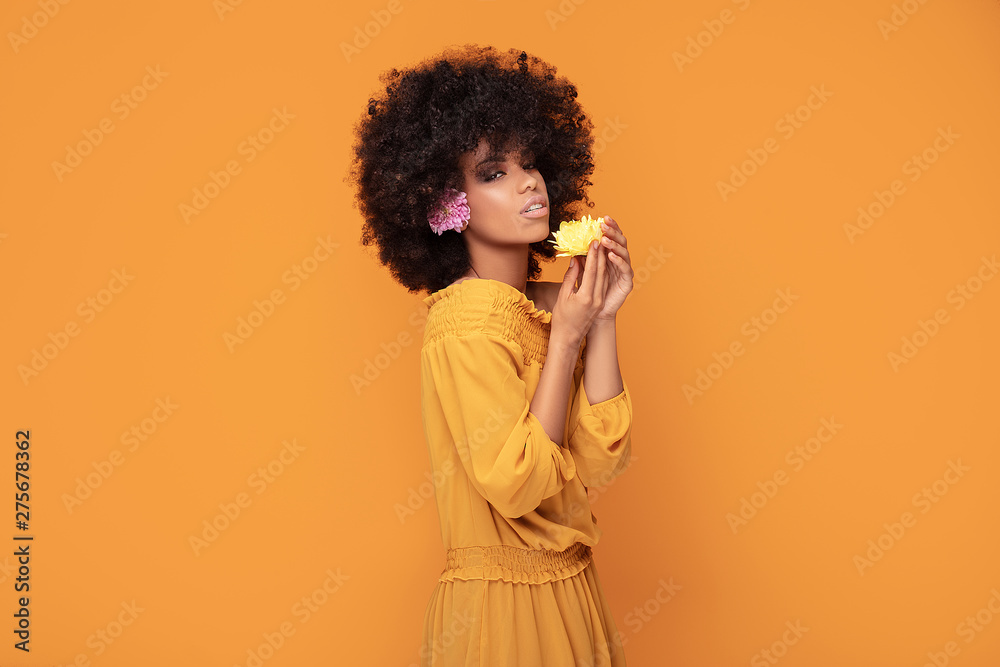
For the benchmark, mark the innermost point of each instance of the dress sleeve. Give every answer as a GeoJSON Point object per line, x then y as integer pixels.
{"type": "Point", "coordinates": [600, 436]}
{"type": "Point", "coordinates": [504, 449]}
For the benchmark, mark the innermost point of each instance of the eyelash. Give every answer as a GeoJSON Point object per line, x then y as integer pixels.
{"type": "Point", "coordinates": [488, 175]}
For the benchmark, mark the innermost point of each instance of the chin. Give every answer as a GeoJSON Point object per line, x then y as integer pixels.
{"type": "Point", "coordinates": [543, 226]}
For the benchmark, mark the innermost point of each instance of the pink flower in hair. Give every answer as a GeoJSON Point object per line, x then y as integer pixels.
{"type": "Point", "coordinates": [450, 212]}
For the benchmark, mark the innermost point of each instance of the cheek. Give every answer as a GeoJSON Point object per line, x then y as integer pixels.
{"type": "Point", "coordinates": [482, 202]}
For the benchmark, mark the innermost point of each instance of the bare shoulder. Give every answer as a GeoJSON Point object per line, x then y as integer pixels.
{"type": "Point", "coordinates": [545, 294]}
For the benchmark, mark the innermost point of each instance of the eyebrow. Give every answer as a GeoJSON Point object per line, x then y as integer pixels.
{"type": "Point", "coordinates": [496, 157]}
{"type": "Point", "coordinates": [492, 157]}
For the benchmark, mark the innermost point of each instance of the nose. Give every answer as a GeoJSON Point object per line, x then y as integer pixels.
{"type": "Point", "coordinates": [528, 180]}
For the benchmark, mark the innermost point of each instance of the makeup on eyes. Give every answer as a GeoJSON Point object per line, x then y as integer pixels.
{"type": "Point", "coordinates": [488, 174]}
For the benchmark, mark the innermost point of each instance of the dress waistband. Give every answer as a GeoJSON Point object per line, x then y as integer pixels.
{"type": "Point", "coordinates": [518, 565]}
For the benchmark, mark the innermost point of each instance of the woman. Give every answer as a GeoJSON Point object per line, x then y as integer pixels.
{"type": "Point", "coordinates": [523, 401]}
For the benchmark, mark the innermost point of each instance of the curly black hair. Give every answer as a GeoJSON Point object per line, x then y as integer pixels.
{"type": "Point", "coordinates": [409, 141]}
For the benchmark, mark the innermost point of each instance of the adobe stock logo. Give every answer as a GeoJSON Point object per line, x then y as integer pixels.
{"type": "Point", "coordinates": [752, 328]}
{"type": "Point", "coordinates": [223, 7]}
{"type": "Point", "coordinates": [264, 309]}
{"type": "Point", "coordinates": [899, 17]}
{"type": "Point", "coordinates": [967, 629]}
{"type": "Point", "coordinates": [122, 106]}
{"type": "Point", "coordinates": [105, 467]}
{"type": "Point", "coordinates": [914, 167]}
{"type": "Point", "coordinates": [922, 500]}
{"type": "Point", "coordinates": [787, 125]}
{"type": "Point", "coordinates": [88, 310]}
{"type": "Point", "coordinates": [231, 510]}
{"type": "Point", "coordinates": [104, 637]}
{"type": "Point", "coordinates": [390, 351]}
{"type": "Point", "coordinates": [250, 148]}
{"type": "Point", "coordinates": [566, 9]}
{"type": "Point", "coordinates": [30, 28]}
{"type": "Point", "coordinates": [362, 38]}
{"type": "Point", "coordinates": [779, 648]}
{"type": "Point", "coordinates": [303, 610]}
{"type": "Point", "coordinates": [641, 615]}
{"type": "Point", "coordinates": [713, 30]}
{"type": "Point", "coordinates": [926, 330]}
{"type": "Point", "coordinates": [796, 457]}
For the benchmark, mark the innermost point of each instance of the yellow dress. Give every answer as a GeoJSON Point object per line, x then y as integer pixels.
{"type": "Point", "coordinates": [519, 586]}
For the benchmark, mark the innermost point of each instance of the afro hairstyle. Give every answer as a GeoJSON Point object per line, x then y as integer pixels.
{"type": "Point", "coordinates": [409, 141]}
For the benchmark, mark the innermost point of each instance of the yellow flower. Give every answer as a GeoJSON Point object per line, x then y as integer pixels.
{"type": "Point", "coordinates": [574, 237]}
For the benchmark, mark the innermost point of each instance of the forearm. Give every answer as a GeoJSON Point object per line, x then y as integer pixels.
{"type": "Point", "coordinates": [602, 377]}
{"type": "Point", "coordinates": [551, 399]}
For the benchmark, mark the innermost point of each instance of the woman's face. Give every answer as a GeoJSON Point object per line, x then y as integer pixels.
{"type": "Point", "coordinates": [504, 193]}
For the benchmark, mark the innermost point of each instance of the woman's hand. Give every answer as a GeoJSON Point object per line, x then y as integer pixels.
{"type": "Point", "coordinates": [575, 309]}
{"type": "Point", "coordinates": [615, 246]}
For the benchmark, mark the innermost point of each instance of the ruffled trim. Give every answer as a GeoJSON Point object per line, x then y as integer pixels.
{"type": "Point", "coordinates": [519, 298]}
{"type": "Point", "coordinates": [492, 307]}
{"type": "Point", "coordinates": [611, 404]}
{"type": "Point", "coordinates": [504, 562]}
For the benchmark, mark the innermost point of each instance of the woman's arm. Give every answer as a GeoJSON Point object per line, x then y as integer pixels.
{"type": "Point", "coordinates": [579, 308]}
{"type": "Point", "coordinates": [602, 377]}
{"type": "Point", "coordinates": [474, 400]}
{"type": "Point", "coordinates": [600, 434]}
{"type": "Point", "coordinates": [601, 414]}
{"type": "Point", "coordinates": [551, 399]}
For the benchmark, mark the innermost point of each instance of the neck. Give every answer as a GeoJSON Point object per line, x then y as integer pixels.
{"type": "Point", "coordinates": [508, 264]}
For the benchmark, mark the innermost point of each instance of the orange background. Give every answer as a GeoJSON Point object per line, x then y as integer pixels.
{"type": "Point", "coordinates": [671, 133]}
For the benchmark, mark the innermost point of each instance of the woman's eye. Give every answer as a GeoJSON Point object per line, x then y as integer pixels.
{"type": "Point", "coordinates": [493, 175]}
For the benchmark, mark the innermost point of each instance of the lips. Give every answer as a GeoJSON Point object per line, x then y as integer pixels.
{"type": "Point", "coordinates": [537, 199]}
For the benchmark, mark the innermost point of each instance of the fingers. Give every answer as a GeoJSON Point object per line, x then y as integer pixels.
{"type": "Point", "coordinates": [610, 226]}
{"type": "Point", "coordinates": [615, 242]}
{"type": "Point", "coordinates": [587, 282]}
{"type": "Point", "coordinates": [612, 231]}
{"type": "Point", "coordinates": [569, 280]}
{"type": "Point", "coordinates": [601, 288]}
{"type": "Point", "coordinates": [595, 281]}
